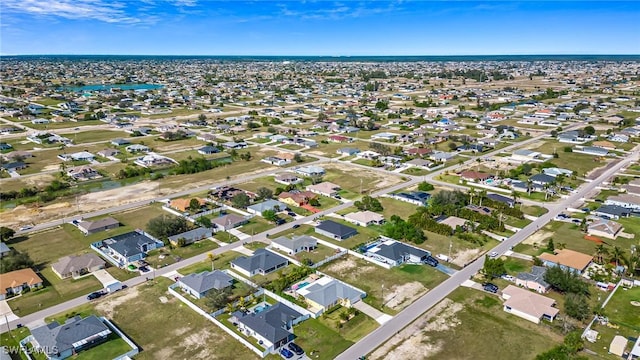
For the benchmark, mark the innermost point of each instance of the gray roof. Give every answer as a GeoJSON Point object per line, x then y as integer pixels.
{"type": "Point", "coordinates": [193, 235]}
{"type": "Point", "coordinates": [296, 242]}
{"type": "Point", "coordinates": [326, 295]}
{"type": "Point", "coordinates": [227, 219]}
{"type": "Point", "coordinates": [613, 210]}
{"type": "Point", "coordinates": [270, 322]}
{"type": "Point", "coordinates": [69, 264]}
{"type": "Point", "coordinates": [398, 250]}
{"type": "Point", "coordinates": [129, 244]}
{"type": "Point", "coordinates": [98, 224]}
{"type": "Point", "coordinates": [4, 248]}
{"type": "Point", "coordinates": [536, 274]}
{"type": "Point", "coordinates": [69, 335]}
{"type": "Point", "coordinates": [261, 259]}
{"type": "Point", "coordinates": [207, 280]}
{"type": "Point", "coordinates": [335, 228]}
{"type": "Point", "coordinates": [267, 205]}
{"type": "Point", "coordinates": [595, 150]}
{"type": "Point", "coordinates": [500, 198]}
{"type": "Point", "coordinates": [542, 178]}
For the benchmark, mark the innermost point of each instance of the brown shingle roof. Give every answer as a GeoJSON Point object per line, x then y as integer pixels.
{"type": "Point", "coordinates": [573, 259]}
{"type": "Point", "coordinates": [17, 278]}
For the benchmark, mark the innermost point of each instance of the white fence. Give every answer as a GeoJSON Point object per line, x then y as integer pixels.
{"type": "Point", "coordinates": [134, 348]}
{"type": "Point", "coordinates": [330, 258]}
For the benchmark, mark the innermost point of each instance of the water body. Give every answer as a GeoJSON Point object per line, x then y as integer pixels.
{"type": "Point", "coordinates": [108, 87]}
{"type": "Point", "coordinates": [239, 58]}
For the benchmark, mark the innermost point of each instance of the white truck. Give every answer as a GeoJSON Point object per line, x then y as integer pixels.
{"type": "Point", "coordinates": [113, 286]}
{"type": "Point", "coordinates": [443, 257]}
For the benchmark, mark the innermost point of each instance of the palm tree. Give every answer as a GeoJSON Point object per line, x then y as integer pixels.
{"type": "Point", "coordinates": [632, 263]}
{"type": "Point", "coordinates": [561, 245]}
{"type": "Point", "coordinates": [515, 196]}
{"type": "Point", "coordinates": [601, 252]}
{"type": "Point", "coordinates": [482, 194]}
{"type": "Point", "coordinates": [472, 193]}
{"type": "Point", "coordinates": [546, 187]}
{"type": "Point", "coordinates": [617, 254]}
{"type": "Point", "coordinates": [529, 186]}
{"type": "Point", "coordinates": [211, 258]}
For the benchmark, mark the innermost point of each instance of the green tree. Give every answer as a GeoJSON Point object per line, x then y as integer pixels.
{"type": "Point", "coordinates": [589, 130]}
{"type": "Point", "coordinates": [204, 222]}
{"type": "Point", "coordinates": [264, 193]}
{"type": "Point", "coordinates": [368, 203]}
{"type": "Point", "coordinates": [493, 268]}
{"type": "Point", "coordinates": [270, 215]}
{"type": "Point", "coordinates": [218, 298]}
{"type": "Point", "coordinates": [425, 186]}
{"type": "Point", "coordinates": [15, 261]}
{"type": "Point", "coordinates": [194, 205]}
{"type": "Point", "coordinates": [164, 226]}
{"type": "Point", "coordinates": [550, 246]}
{"type": "Point", "coordinates": [565, 281]}
{"type": "Point", "coordinates": [6, 233]}
{"type": "Point", "coordinates": [241, 200]}
{"type": "Point", "coordinates": [298, 158]}
{"type": "Point", "coordinates": [314, 202]}
{"type": "Point", "coordinates": [577, 306]}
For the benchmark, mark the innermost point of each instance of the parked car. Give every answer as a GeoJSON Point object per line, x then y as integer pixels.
{"type": "Point", "coordinates": [291, 213]}
{"type": "Point", "coordinates": [26, 227]}
{"type": "Point", "coordinates": [295, 348]}
{"type": "Point", "coordinates": [492, 288]}
{"type": "Point", "coordinates": [94, 295]}
{"type": "Point", "coordinates": [286, 353]}
{"type": "Point", "coordinates": [296, 226]}
{"type": "Point", "coordinates": [493, 254]}
{"type": "Point", "coordinates": [431, 261]}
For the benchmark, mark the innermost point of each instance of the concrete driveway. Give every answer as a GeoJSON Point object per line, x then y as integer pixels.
{"type": "Point", "coordinates": [376, 314]}
{"type": "Point", "coordinates": [5, 310]}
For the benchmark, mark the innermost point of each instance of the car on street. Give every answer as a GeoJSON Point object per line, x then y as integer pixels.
{"type": "Point", "coordinates": [26, 227]}
{"type": "Point", "coordinates": [296, 226]}
{"type": "Point", "coordinates": [94, 295]}
{"type": "Point", "coordinates": [492, 288]}
{"type": "Point", "coordinates": [295, 348]}
{"type": "Point", "coordinates": [286, 353]}
{"type": "Point", "coordinates": [493, 254]}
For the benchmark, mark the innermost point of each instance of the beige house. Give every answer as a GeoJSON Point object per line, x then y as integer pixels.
{"type": "Point", "coordinates": [567, 259]}
{"type": "Point", "coordinates": [605, 228]}
{"type": "Point", "coordinates": [364, 218]}
{"type": "Point", "coordinates": [76, 266]}
{"type": "Point", "coordinates": [15, 282]}
{"type": "Point", "coordinates": [324, 188]}
{"type": "Point", "coordinates": [528, 305]}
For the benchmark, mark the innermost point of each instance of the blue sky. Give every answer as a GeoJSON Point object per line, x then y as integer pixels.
{"type": "Point", "coordinates": [287, 27]}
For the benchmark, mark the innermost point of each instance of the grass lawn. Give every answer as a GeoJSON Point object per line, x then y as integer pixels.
{"type": "Point", "coordinates": [350, 179]}
{"type": "Point", "coordinates": [256, 225]}
{"type": "Point", "coordinates": [113, 347]}
{"type": "Point", "coordinates": [621, 312]}
{"type": "Point", "coordinates": [173, 255]}
{"type": "Point", "coordinates": [519, 223]}
{"type": "Point", "coordinates": [225, 237]}
{"type": "Point", "coordinates": [96, 135]}
{"type": "Point", "coordinates": [65, 124]}
{"type": "Point", "coordinates": [49, 101]}
{"type": "Point", "coordinates": [221, 261]}
{"type": "Point", "coordinates": [255, 184]}
{"type": "Point", "coordinates": [515, 265]}
{"type": "Point", "coordinates": [320, 253]}
{"type": "Point", "coordinates": [370, 278]}
{"type": "Point", "coordinates": [55, 292]}
{"type": "Point", "coordinates": [534, 210]}
{"type": "Point", "coordinates": [482, 322]}
{"type": "Point", "coordinates": [320, 341]}
{"type": "Point", "coordinates": [151, 329]}
{"type": "Point", "coordinates": [138, 218]}
{"type": "Point", "coordinates": [396, 207]}
{"type": "Point", "coordinates": [329, 150]}
{"type": "Point", "coordinates": [12, 341]}
{"type": "Point", "coordinates": [581, 163]}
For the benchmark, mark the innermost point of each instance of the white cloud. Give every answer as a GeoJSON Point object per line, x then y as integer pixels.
{"type": "Point", "coordinates": [107, 11]}
{"type": "Point", "coordinates": [185, 2]}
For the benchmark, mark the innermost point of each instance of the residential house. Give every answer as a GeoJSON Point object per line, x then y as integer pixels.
{"type": "Point", "coordinates": [441, 156]}
{"type": "Point", "coordinates": [591, 150]}
{"type": "Point", "coordinates": [386, 136]}
{"type": "Point", "coordinates": [572, 137]}
{"type": "Point", "coordinates": [605, 228]}
{"type": "Point", "coordinates": [327, 292]}
{"type": "Point", "coordinates": [633, 187]}
{"type": "Point", "coordinates": [418, 152]}
{"type": "Point", "coordinates": [15, 282]}
{"type": "Point", "coordinates": [108, 153]}
{"type": "Point", "coordinates": [59, 342]}
{"type": "Point", "coordinates": [554, 171]}
{"type": "Point", "coordinates": [270, 204]}
{"type": "Point", "coordinates": [79, 156]}
{"type": "Point", "coordinates": [229, 221]}
{"type": "Point", "coordinates": [604, 144]}
{"type": "Point", "coordinates": [534, 279]}
{"type": "Point", "coordinates": [262, 262]}
{"type": "Point", "coordinates": [420, 163]}
{"type": "Point", "coordinates": [525, 155]}
{"type": "Point", "coordinates": [339, 139]}
{"type": "Point", "coordinates": [296, 197]}
{"type": "Point", "coordinates": [129, 247]}
{"type": "Point", "coordinates": [567, 259]}
{"type": "Point", "coordinates": [419, 198]}
{"type": "Point", "coordinates": [77, 265]}
{"type": "Point", "coordinates": [542, 179]}
{"type": "Point", "coordinates": [295, 244]}
{"type": "Point", "coordinates": [621, 138]}
{"type": "Point", "coordinates": [348, 151]}
{"type": "Point", "coordinates": [310, 170]}
{"type": "Point", "coordinates": [136, 148]}
{"type": "Point", "coordinates": [14, 166]}
{"type": "Point", "coordinates": [630, 202]}
{"type": "Point", "coordinates": [276, 161]}
{"type": "Point", "coordinates": [235, 145]}
{"type": "Point", "coordinates": [4, 249]}
{"type": "Point", "coordinates": [613, 212]}
{"type": "Point", "coordinates": [287, 179]}
{"type": "Point", "coordinates": [4, 146]}
{"type": "Point", "coordinates": [528, 305]}
{"type": "Point", "coordinates": [227, 193]}
{"type": "Point", "coordinates": [184, 204]}
{"type": "Point", "coordinates": [501, 198]}
{"type": "Point", "coordinates": [82, 173]}
{"type": "Point", "coordinates": [324, 188]}
{"type": "Point", "coordinates": [120, 142]}
{"type": "Point", "coordinates": [95, 226]}
{"type": "Point", "coordinates": [335, 230]}
{"type": "Point", "coordinates": [199, 284]}
{"type": "Point", "coordinates": [154, 160]}
{"type": "Point", "coordinates": [396, 253]}
{"type": "Point", "coordinates": [474, 176]}
{"type": "Point", "coordinates": [272, 327]}
{"type": "Point", "coordinates": [208, 150]}
{"type": "Point", "coordinates": [191, 236]}
{"type": "Point", "coordinates": [364, 218]}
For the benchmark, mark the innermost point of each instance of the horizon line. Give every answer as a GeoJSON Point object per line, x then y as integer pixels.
{"type": "Point", "coordinates": [337, 56]}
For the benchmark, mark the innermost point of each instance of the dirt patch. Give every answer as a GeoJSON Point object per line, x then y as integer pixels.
{"type": "Point", "coordinates": [400, 296]}
{"type": "Point", "coordinates": [107, 306]}
{"type": "Point", "coordinates": [198, 343]}
{"type": "Point", "coordinates": [342, 266]}
{"type": "Point", "coordinates": [379, 180]}
{"type": "Point", "coordinates": [412, 342]}
{"type": "Point", "coordinates": [538, 237]}
{"type": "Point", "coordinates": [465, 256]}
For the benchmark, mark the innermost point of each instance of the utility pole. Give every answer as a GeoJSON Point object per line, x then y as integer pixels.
{"type": "Point", "coordinates": [360, 186]}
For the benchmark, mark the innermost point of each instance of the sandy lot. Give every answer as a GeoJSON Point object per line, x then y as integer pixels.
{"type": "Point", "coordinates": [106, 307]}
{"type": "Point", "coordinates": [463, 257]}
{"type": "Point", "coordinates": [379, 180]}
{"type": "Point", "coordinates": [403, 295]}
{"type": "Point", "coordinates": [412, 342]}
{"type": "Point", "coordinates": [538, 237]}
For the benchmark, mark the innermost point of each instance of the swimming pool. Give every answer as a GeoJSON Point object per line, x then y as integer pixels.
{"type": "Point", "coordinates": [303, 284]}
{"type": "Point", "coordinates": [260, 308]}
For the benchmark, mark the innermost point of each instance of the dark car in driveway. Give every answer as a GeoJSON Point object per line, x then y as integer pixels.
{"type": "Point", "coordinates": [431, 261]}
{"type": "Point", "coordinates": [492, 288]}
{"type": "Point", "coordinates": [286, 353]}
{"type": "Point", "coordinates": [295, 348]}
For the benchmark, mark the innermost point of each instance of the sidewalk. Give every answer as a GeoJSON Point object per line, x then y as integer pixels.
{"type": "Point", "coordinates": [376, 314]}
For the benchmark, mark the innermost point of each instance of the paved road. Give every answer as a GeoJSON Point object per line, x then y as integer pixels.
{"type": "Point", "coordinates": [413, 311]}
